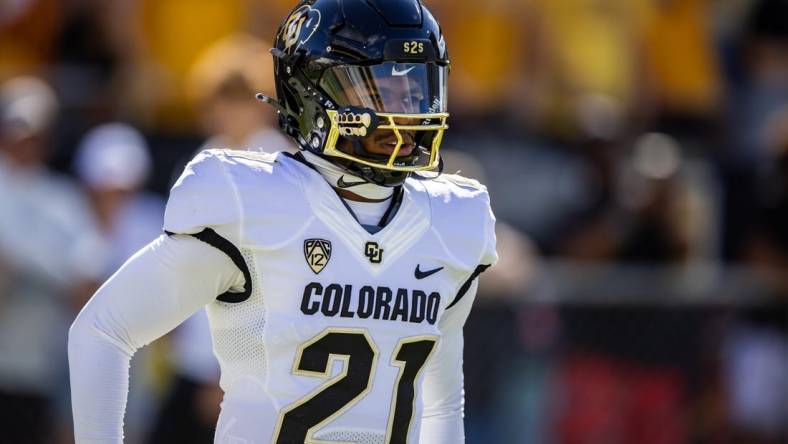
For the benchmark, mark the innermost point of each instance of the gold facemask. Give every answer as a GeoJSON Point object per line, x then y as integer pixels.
{"type": "Point", "coordinates": [362, 124]}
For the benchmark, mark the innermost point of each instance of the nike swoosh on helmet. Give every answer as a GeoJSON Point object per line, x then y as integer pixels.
{"type": "Point", "coordinates": [396, 73]}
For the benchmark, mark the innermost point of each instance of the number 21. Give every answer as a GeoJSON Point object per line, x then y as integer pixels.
{"type": "Point", "coordinates": [301, 419]}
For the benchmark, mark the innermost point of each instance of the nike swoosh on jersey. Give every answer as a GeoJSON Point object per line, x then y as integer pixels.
{"type": "Point", "coordinates": [423, 274]}
{"type": "Point", "coordinates": [342, 184]}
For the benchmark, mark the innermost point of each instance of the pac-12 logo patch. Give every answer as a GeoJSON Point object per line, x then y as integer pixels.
{"type": "Point", "coordinates": [317, 252]}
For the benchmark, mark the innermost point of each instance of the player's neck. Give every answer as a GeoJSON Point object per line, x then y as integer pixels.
{"type": "Point", "coordinates": [347, 185]}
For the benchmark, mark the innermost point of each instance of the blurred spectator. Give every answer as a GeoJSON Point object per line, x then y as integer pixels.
{"type": "Point", "coordinates": [762, 91]}
{"type": "Point", "coordinates": [756, 376]}
{"type": "Point", "coordinates": [767, 245]}
{"type": "Point", "coordinates": [655, 209]}
{"type": "Point", "coordinates": [671, 204]}
{"type": "Point", "coordinates": [756, 348]}
{"type": "Point", "coordinates": [221, 86]}
{"type": "Point", "coordinates": [765, 60]}
{"type": "Point", "coordinates": [756, 358]}
{"type": "Point", "coordinates": [113, 163]}
{"type": "Point", "coordinates": [50, 259]}
{"type": "Point", "coordinates": [658, 209]}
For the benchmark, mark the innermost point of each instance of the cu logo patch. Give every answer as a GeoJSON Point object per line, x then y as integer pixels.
{"type": "Point", "coordinates": [373, 252]}
{"type": "Point", "coordinates": [317, 252]}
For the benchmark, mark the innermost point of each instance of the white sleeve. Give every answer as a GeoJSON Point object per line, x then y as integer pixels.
{"type": "Point", "coordinates": [153, 292]}
{"type": "Point", "coordinates": [443, 392]}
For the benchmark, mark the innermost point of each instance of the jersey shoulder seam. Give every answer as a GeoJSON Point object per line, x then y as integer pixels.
{"type": "Point", "coordinates": [460, 181]}
{"type": "Point", "coordinates": [249, 155]}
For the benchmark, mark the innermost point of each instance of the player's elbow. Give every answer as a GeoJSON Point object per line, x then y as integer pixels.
{"type": "Point", "coordinates": [443, 425]}
{"type": "Point", "coordinates": [79, 335]}
{"type": "Point", "coordinates": [89, 332]}
{"type": "Point", "coordinates": [451, 405]}
{"type": "Point", "coordinates": [445, 411]}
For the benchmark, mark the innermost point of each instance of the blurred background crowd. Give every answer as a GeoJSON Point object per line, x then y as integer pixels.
{"type": "Point", "coordinates": [636, 152]}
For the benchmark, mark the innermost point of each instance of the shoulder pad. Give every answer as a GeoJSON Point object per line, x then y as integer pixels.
{"type": "Point", "coordinates": [203, 197]}
{"type": "Point", "coordinates": [251, 199]}
{"type": "Point", "coordinates": [252, 155]}
{"type": "Point", "coordinates": [462, 217]}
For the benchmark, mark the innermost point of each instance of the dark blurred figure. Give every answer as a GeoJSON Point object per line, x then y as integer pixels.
{"type": "Point", "coordinates": [756, 175]}
{"type": "Point", "coordinates": [50, 258]}
{"type": "Point", "coordinates": [97, 70]}
{"type": "Point", "coordinates": [654, 206]}
{"type": "Point", "coordinates": [756, 356]}
{"type": "Point", "coordinates": [627, 371]}
{"type": "Point", "coordinates": [768, 241]}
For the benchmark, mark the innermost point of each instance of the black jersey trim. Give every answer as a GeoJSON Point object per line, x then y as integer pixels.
{"type": "Point", "coordinates": [212, 238]}
{"type": "Point", "coordinates": [467, 285]}
{"type": "Point", "coordinates": [300, 158]}
{"type": "Point", "coordinates": [391, 211]}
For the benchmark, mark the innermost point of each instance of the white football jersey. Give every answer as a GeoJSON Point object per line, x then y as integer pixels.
{"type": "Point", "coordinates": [330, 337]}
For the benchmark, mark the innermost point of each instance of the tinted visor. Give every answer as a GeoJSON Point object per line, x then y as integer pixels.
{"type": "Point", "coordinates": [401, 88]}
{"type": "Point", "coordinates": [399, 107]}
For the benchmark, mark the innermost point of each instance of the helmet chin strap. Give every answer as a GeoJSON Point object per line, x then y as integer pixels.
{"type": "Point", "coordinates": [340, 178]}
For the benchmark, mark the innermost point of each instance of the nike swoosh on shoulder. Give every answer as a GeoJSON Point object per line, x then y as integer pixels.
{"type": "Point", "coordinates": [342, 184]}
{"type": "Point", "coordinates": [423, 274]}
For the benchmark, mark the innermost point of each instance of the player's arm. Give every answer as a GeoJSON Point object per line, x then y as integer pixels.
{"type": "Point", "coordinates": [157, 289]}
{"type": "Point", "coordinates": [443, 385]}
{"type": "Point", "coordinates": [443, 392]}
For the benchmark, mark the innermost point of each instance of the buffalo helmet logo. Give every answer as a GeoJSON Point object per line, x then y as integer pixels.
{"type": "Point", "coordinates": [317, 252]}
{"type": "Point", "coordinates": [300, 26]}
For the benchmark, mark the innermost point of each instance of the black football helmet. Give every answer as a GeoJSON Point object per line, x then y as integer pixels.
{"type": "Point", "coordinates": [345, 69]}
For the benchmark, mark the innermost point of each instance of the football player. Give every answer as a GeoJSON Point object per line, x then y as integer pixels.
{"type": "Point", "coordinates": [337, 280]}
